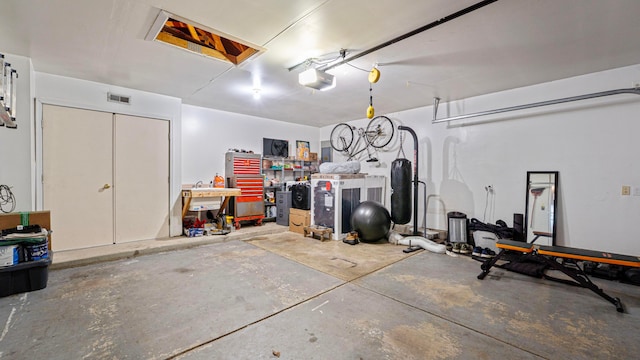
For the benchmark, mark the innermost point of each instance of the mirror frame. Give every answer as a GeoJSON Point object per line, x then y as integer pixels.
{"type": "Point", "coordinates": [531, 201]}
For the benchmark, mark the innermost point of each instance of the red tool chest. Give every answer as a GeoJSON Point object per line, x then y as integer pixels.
{"type": "Point", "coordinates": [244, 171]}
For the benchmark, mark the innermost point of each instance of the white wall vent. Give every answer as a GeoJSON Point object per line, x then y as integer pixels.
{"type": "Point", "coordinates": [122, 99]}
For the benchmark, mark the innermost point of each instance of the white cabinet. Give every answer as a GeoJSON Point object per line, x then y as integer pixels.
{"type": "Point", "coordinates": [105, 177]}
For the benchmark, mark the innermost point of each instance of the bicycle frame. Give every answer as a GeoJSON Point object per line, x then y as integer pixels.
{"type": "Point", "coordinates": [363, 137]}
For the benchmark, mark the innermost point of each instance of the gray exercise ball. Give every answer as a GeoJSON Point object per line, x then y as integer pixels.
{"type": "Point", "coordinates": [371, 220]}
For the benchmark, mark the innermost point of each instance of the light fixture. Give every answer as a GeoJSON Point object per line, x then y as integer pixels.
{"type": "Point", "coordinates": [317, 79]}
{"type": "Point", "coordinates": [257, 84]}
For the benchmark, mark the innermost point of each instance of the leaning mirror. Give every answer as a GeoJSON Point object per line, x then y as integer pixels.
{"type": "Point", "coordinates": [540, 217]}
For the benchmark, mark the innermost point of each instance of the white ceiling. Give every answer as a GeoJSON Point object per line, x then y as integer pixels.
{"type": "Point", "coordinates": [506, 44]}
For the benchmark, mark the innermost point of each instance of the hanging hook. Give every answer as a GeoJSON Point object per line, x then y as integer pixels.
{"type": "Point", "coordinates": [436, 102]}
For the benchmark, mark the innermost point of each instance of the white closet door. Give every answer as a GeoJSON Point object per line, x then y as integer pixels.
{"type": "Point", "coordinates": [77, 176]}
{"type": "Point", "coordinates": [141, 178]}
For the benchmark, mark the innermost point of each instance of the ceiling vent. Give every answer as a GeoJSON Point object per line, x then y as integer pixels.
{"type": "Point", "coordinates": [119, 98]}
{"type": "Point", "coordinates": [198, 39]}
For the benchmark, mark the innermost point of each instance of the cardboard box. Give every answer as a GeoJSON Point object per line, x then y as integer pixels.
{"type": "Point", "coordinates": [298, 219]}
{"type": "Point", "coordinates": [9, 255]}
{"type": "Point", "coordinates": [303, 154]}
{"type": "Point", "coordinates": [42, 218]}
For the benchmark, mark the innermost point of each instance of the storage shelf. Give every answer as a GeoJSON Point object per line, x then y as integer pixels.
{"type": "Point", "coordinates": [284, 169]}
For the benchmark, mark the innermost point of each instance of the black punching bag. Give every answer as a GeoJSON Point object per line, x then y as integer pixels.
{"type": "Point", "coordinates": [401, 191]}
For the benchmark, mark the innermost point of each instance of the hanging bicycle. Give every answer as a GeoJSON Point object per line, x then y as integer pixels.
{"type": "Point", "coordinates": [378, 134]}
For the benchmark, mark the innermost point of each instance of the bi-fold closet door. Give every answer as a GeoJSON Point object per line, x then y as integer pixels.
{"type": "Point", "coordinates": [105, 177]}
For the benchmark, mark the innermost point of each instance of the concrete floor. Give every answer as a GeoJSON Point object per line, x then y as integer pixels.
{"type": "Point", "coordinates": [278, 294]}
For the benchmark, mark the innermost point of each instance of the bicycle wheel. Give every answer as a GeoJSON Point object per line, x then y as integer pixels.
{"type": "Point", "coordinates": [341, 137]}
{"type": "Point", "coordinates": [379, 132]}
{"type": "Point", "coordinates": [7, 199]}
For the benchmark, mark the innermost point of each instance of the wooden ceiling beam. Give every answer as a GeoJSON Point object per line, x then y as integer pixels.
{"type": "Point", "coordinates": [182, 34]}
{"type": "Point", "coordinates": [192, 31]}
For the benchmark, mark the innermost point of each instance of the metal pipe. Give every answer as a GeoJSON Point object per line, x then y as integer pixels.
{"type": "Point", "coordinates": [537, 104]}
{"type": "Point", "coordinates": [424, 203]}
{"type": "Point", "coordinates": [431, 25]}
{"type": "Point", "coordinates": [423, 243]}
{"type": "Point", "coordinates": [415, 176]}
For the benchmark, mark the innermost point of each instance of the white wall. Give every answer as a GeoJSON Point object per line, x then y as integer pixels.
{"type": "Point", "coordinates": [16, 164]}
{"type": "Point", "coordinates": [63, 91]}
{"type": "Point", "coordinates": [207, 134]}
{"type": "Point", "coordinates": [592, 143]}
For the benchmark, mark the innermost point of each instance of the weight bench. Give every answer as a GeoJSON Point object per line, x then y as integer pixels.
{"type": "Point", "coordinates": [550, 254]}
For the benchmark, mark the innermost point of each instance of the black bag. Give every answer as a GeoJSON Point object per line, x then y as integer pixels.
{"type": "Point", "coordinates": [500, 229]}
{"type": "Point", "coordinates": [527, 265]}
{"type": "Point", "coordinates": [401, 191]}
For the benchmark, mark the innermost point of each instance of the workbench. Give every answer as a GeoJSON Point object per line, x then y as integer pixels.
{"type": "Point", "coordinates": [226, 193]}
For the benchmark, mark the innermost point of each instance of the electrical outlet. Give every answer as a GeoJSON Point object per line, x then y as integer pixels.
{"type": "Point", "coordinates": [626, 190]}
{"type": "Point", "coordinates": [636, 191]}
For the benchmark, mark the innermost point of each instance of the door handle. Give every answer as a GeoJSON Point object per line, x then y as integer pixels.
{"type": "Point", "coordinates": [106, 186]}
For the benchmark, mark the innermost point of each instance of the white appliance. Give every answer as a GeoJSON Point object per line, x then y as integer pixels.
{"type": "Point", "coordinates": [333, 199]}
{"type": "Point", "coordinates": [375, 186]}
